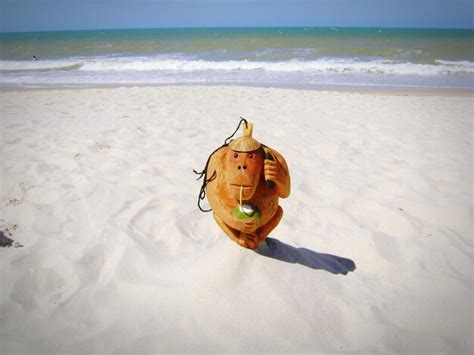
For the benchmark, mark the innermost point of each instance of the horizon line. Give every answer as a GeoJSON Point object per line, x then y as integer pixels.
{"type": "Point", "coordinates": [232, 27]}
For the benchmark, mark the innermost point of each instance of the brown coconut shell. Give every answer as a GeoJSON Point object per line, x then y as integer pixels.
{"type": "Point", "coordinates": [241, 163]}
{"type": "Point", "coordinates": [246, 143]}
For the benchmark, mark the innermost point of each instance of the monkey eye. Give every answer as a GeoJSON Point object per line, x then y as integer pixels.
{"type": "Point", "coordinates": [250, 155]}
{"type": "Point", "coordinates": [236, 155]}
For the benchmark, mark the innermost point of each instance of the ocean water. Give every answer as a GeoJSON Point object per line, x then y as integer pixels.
{"type": "Point", "coordinates": [308, 57]}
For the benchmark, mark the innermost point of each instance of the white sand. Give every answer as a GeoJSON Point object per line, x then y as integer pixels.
{"type": "Point", "coordinates": [97, 185]}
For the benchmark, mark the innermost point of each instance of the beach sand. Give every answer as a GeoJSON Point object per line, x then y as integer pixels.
{"type": "Point", "coordinates": [97, 185]}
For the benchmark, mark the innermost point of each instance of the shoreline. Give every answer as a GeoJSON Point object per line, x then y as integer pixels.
{"type": "Point", "coordinates": [374, 90]}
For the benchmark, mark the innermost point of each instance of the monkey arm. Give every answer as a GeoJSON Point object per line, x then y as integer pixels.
{"type": "Point", "coordinates": [278, 172]}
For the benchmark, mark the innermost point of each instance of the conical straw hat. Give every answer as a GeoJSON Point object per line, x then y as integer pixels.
{"type": "Point", "coordinates": [245, 143]}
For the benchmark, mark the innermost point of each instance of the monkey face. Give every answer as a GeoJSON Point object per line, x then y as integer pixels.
{"type": "Point", "coordinates": [243, 170]}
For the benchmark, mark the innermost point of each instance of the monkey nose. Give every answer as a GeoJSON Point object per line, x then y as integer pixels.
{"type": "Point", "coordinates": [240, 167]}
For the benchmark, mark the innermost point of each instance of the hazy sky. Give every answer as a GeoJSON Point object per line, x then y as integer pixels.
{"type": "Point", "coordinates": [36, 15]}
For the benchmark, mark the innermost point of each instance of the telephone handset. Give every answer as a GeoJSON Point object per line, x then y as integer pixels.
{"type": "Point", "coordinates": [269, 156]}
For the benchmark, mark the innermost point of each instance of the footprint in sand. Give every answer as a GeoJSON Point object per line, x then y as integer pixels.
{"type": "Point", "coordinates": [45, 287]}
{"type": "Point", "coordinates": [156, 226]}
{"type": "Point", "coordinates": [161, 223]}
{"type": "Point", "coordinates": [150, 224]}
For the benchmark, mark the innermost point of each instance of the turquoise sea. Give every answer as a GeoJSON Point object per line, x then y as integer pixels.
{"type": "Point", "coordinates": [303, 56]}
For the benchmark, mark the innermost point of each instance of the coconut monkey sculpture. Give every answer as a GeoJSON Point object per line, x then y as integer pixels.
{"type": "Point", "coordinates": [243, 180]}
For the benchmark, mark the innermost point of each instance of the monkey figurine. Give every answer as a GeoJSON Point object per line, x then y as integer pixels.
{"type": "Point", "coordinates": [246, 179]}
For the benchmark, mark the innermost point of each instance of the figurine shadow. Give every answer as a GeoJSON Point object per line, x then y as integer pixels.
{"type": "Point", "coordinates": [273, 248]}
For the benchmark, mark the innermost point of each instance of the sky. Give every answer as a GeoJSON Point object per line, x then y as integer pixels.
{"type": "Point", "coordinates": [44, 15]}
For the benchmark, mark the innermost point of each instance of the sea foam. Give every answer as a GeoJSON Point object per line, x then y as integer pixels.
{"type": "Point", "coordinates": [324, 65]}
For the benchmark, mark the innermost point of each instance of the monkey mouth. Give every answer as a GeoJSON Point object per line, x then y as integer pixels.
{"type": "Point", "coordinates": [239, 185]}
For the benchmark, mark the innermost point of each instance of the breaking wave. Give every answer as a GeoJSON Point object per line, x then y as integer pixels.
{"type": "Point", "coordinates": [324, 65]}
